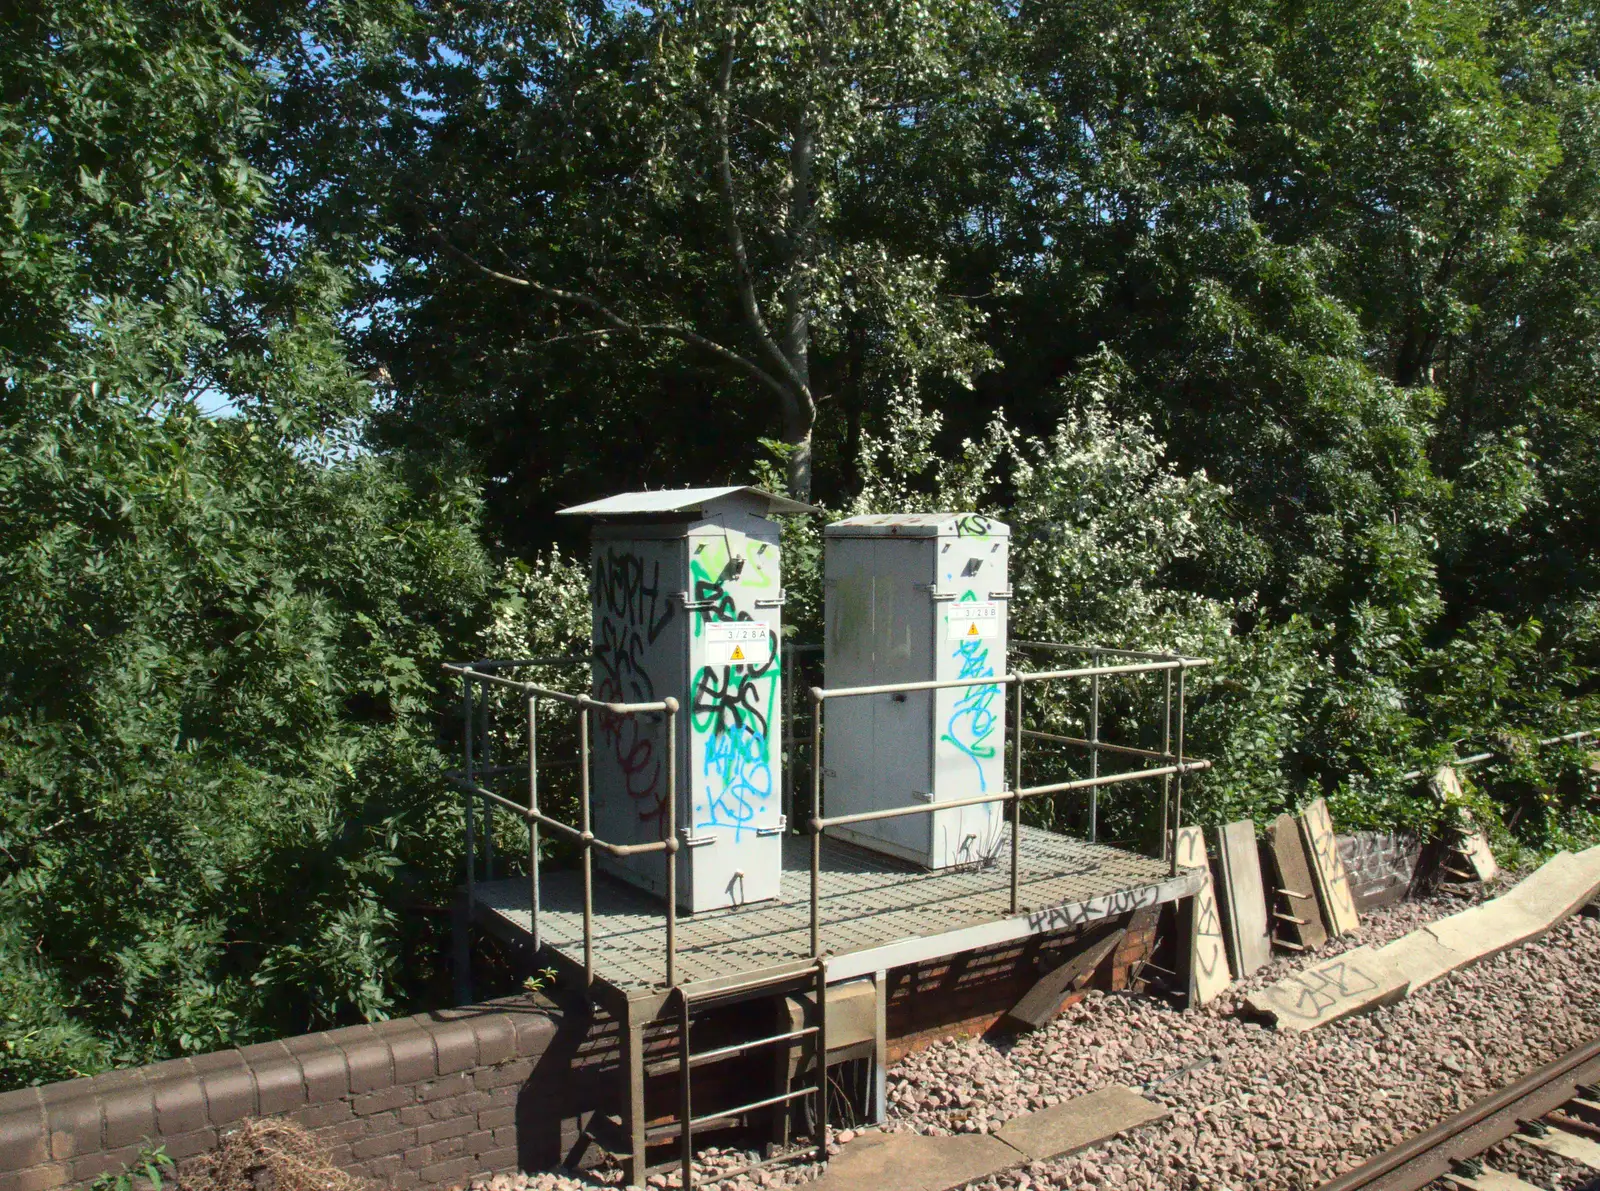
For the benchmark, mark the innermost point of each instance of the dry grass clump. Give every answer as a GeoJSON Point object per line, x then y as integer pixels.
{"type": "Point", "coordinates": [267, 1155]}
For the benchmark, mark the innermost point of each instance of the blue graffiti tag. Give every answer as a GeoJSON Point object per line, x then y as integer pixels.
{"type": "Point", "coordinates": [736, 761]}
{"type": "Point", "coordinates": [730, 709]}
{"type": "Point", "coordinates": [972, 722]}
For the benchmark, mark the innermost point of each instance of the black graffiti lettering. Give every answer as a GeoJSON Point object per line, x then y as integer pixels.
{"type": "Point", "coordinates": [730, 700]}
{"type": "Point", "coordinates": [622, 591]}
{"type": "Point", "coordinates": [632, 615]}
{"type": "Point", "coordinates": [1066, 915]}
{"type": "Point", "coordinates": [1191, 849]}
{"type": "Point", "coordinates": [1325, 852]}
{"type": "Point", "coordinates": [973, 525]}
{"type": "Point", "coordinates": [1208, 932]}
{"type": "Point", "coordinates": [728, 704]}
{"type": "Point", "coordinates": [1311, 993]}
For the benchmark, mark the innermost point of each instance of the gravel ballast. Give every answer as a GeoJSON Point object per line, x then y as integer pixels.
{"type": "Point", "coordinates": [1253, 1107]}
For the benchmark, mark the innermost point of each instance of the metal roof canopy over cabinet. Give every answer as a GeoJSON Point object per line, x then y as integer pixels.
{"type": "Point", "coordinates": [917, 597]}
{"type": "Point", "coordinates": [687, 602]}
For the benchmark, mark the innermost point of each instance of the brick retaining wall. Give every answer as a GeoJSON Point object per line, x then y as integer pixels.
{"type": "Point", "coordinates": [422, 1101]}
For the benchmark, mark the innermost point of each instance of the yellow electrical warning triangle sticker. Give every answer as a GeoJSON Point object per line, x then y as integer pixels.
{"type": "Point", "coordinates": [972, 630]}
{"type": "Point", "coordinates": [738, 654]}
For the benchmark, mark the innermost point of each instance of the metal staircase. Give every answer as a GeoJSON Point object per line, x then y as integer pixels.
{"type": "Point", "coordinates": [689, 1059]}
{"type": "Point", "coordinates": [688, 1006]}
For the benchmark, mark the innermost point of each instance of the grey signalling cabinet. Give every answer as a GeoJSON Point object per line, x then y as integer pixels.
{"type": "Point", "coordinates": [688, 602]}
{"type": "Point", "coordinates": [916, 598]}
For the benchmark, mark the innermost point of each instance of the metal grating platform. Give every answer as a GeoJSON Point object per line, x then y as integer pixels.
{"type": "Point", "coordinates": [876, 913]}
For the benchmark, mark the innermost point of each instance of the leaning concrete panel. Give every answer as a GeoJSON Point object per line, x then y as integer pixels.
{"type": "Point", "coordinates": [1243, 901]}
{"type": "Point", "coordinates": [1327, 869]}
{"type": "Point", "coordinates": [1296, 897]}
{"type": "Point", "coordinates": [1207, 956]}
{"type": "Point", "coordinates": [1043, 1001]}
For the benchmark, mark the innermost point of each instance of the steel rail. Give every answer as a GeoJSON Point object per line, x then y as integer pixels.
{"type": "Point", "coordinates": [1418, 1161]}
{"type": "Point", "coordinates": [1082, 783]}
{"type": "Point", "coordinates": [507, 663]}
{"type": "Point", "coordinates": [1412, 775]}
{"type": "Point", "coordinates": [1098, 649]}
{"type": "Point", "coordinates": [898, 688]}
{"type": "Point", "coordinates": [818, 694]}
{"type": "Point", "coordinates": [529, 688]}
{"type": "Point", "coordinates": [1107, 671]}
{"type": "Point", "coordinates": [563, 829]}
{"type": "Point", "coordinates": [1111, 779]}
{"type": "Point", "coordinates": [1126, 750]}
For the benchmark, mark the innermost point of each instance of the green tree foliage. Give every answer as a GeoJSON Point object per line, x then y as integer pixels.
{"type": "Point", "coordinates": [679, 224]}
{"type": "Point", "coordinates": [1271, 327]}
{"type": "Point", "coordinates": [219, 637]}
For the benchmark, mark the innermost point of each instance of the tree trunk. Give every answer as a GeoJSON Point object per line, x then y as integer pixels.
{"type": "Point", "coordinates": [800, 465]}
{"type": "Point", "coordinates": [801, 416]}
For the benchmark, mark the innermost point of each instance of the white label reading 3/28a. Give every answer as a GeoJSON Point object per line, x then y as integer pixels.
{"type": "Point", "coordinates": [741, 644]}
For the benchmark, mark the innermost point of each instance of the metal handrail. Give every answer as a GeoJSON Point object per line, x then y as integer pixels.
{"type": "Point", "coordinates": [1155, 664]}
{"type": "Point", "coordinates": [583, 835]}
{"type": "Point", "coordinates": [1480, 758]}
{"type": "Point", "coordinates": [1096, 650]}
{"type": "Point", "coordinates": [952, 804]}
{"type": "Point", "coordinates": [576, 659]}
{"type": "Point", "coordinates": [1174, 769]}
{"type": "Point", "coordinates": [1103, 746]}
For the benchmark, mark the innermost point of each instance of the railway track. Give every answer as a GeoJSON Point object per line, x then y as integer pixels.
{"type": "Point", "coordinates": [1556, 1108]}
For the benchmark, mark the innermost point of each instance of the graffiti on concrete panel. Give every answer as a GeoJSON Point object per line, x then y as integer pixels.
{"type": "Point", "coordinates": [1209, 956]}
{"type": "Point", "coordinates": [633, 613]}
{"type": "Point", "coordinates": [1123, 901]}
{"type": "Point", "coordinates": [1375, 861]}
{"type": "Point", "coordinates": [731, 705]}
{"type": "Point", "coordinates": [1331, 876]}
{"type": "Point", "coordinates": [1191, 848]}
{"type": "Point", "coordinates": [1311, 993]}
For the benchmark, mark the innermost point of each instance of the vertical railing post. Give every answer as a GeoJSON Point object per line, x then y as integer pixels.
{"type": "Point", "coordinates": [822, 1055]}
{"type": "Point", "coordinates": [1169, 837]}
{"type": "Point", "coordinates": [587, 837]}
{"type": "Point", "coordinates": [488, 806]}
{"type": "Point", "coordinates": [790, 744]}
{"type": "Point", "coordinates": [670, 829]}
{"type": "Point", "coordinates": [816, 829]}
{"type": "Point", "coordinates": [685, 1100]}
{"type": "Point", "coordinates": [469, 724]}
{"type": "Point", "coordinates": [1016, 793]}
{"type": "Point", "coordinates": [1177, 797]}
{"type": "Point", "coordinates": [1094, 751]}
{"type": "Point", "coordinates": [533, 825]}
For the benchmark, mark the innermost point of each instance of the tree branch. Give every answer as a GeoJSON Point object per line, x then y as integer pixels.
{"type": "Point", "coordinates": [619, 324]}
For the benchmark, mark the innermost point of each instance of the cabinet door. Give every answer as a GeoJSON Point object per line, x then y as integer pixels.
{"type": "Point", "coordinates": [878, 748]}
{"type": "Point", "coordinates": [969, 723]}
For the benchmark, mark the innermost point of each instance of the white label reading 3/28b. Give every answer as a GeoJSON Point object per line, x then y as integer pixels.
{"type": "Point", "coordinates": [741, 644]}
{"type": "Point", "coordinates": [974, 622]}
